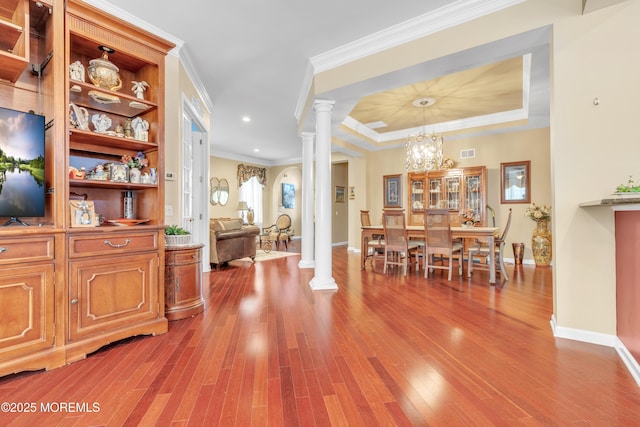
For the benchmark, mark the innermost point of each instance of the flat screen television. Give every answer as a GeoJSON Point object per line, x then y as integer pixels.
{"type": "Point", "coordinates": [22, 162]}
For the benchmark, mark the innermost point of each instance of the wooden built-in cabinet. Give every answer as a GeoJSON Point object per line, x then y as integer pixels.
{"type": "Point", "coordinates": [14, 38]}
{"type": "Point", "coordinates": [66, 291]}
{"type": "Point", "coordinates": [183, 281]}
{"type": "Point", "coordinates": [452, 189]}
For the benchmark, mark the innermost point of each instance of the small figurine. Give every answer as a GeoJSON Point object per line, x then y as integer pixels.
{"type": "Point", "coordinates": [139, 88]}
{"type": "Point", "coordinates": [101, 123]}
{"type": "Point", "coordinates": [140, 129]}
{"type": "Point", "coordinates": [76, 71]}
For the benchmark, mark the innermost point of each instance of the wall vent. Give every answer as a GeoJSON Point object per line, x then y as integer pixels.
{"type": "Point", "coordinates": [469, 153]}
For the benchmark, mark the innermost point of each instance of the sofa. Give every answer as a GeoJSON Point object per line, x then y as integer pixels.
{"type": "Point", "coordinates": [229, 239]}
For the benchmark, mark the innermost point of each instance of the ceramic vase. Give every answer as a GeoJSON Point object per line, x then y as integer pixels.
{"type": "Point", "coordinates": [134, 175]}
{"type": "Point", "coordinates": [541, 244]}
{"type": "Point", "coordinates": [250, 216]}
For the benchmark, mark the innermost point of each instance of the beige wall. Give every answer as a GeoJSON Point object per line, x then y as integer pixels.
{"type": "Point", "coordinates": [173, 131]}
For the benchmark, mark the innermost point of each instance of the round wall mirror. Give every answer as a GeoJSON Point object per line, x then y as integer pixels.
{"type": "Point", "coordinates": [223, 196]}
{"type": "Point", "coordinates": [215, 191]}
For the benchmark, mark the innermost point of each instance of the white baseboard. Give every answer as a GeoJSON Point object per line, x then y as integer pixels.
{"type": "Point", "coordinates": [339, 243]}
{"type": "Point", "coordinates": [629, 361]}
{"type": "Point", "coordinates": [598, 338]}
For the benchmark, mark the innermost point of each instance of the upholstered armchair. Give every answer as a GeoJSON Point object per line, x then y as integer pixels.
{"type": "Point", "coordinates": [278, 232]}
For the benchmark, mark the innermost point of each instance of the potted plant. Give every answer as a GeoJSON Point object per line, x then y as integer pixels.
{"type": "Point", "coordinates": [174, 236]}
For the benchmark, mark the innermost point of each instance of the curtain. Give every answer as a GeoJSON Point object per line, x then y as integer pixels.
{"type": "Point", "coordinates": [245, 173]}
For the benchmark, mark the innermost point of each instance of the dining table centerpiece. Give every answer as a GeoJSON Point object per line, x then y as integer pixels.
{"type": "Point", "coordinates": [468, 218]}
{"type": "Point", "coordinates": [541, 237]}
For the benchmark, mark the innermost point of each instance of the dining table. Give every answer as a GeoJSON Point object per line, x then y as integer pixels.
{"type": "Point", "coordinates": [417, 232]}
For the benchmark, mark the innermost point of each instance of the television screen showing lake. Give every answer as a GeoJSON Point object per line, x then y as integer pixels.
{"type": "Point", "coordinates": [21, 194]}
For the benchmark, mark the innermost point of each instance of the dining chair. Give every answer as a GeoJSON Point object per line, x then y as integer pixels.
{"type": "Point", "coordinates": [398, 248]}
{"type": "Point", "coordinates": [439, 243]}
{"type": "Point", "coordinates": [481, 250]}
{"type": "Point", "coordinates": [375, 246]}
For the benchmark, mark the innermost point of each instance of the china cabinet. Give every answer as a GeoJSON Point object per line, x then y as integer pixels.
{"type": "Point", "coordinates": [65, 290]}
{"type": "Point", "coordinates": [452, 189]}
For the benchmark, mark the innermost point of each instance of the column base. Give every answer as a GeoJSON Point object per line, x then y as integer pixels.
{"type": "Point", "coordinates": [306, 263]}
{"type": "Point", "coordinates": [323, 284]}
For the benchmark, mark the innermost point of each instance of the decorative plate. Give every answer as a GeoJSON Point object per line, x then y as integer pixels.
{"type": "Point", "coordinates": [126, 221]}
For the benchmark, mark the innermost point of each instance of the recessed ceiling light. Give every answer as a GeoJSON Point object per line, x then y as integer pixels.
{"type": "Point", "coordinates": [246, 119]}
{"type": "Point", "coordinates": [256, 150]}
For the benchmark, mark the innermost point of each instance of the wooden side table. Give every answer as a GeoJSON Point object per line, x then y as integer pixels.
{"type": "Point", "coordinates": [183, 281]}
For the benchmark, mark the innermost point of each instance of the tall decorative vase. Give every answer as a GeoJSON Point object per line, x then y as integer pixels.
{"type": "Point", "coordinates": [541, 244]}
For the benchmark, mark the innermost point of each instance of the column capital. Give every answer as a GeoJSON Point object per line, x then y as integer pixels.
{"type": "Point", "coordinates": [323, 105]}
{"type": "Point", "coordinates": [306, 136]}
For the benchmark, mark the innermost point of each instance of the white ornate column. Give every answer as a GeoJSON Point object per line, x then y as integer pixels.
{"type": "Point", "coordinates": [322, 279]}
{"type": "Point", "coordinates": [308, 239]}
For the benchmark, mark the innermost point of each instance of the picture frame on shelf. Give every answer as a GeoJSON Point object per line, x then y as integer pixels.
{"type": "Point", "coordinates": [515, 182]}
{"type": "Point", "coordinates": [392, 187]}
{"type": "Point", "coordinates": [82, 213]}
{"type": "Point", "coordinates": [119, 172]}
{"type": "Point", "coordinates": [339, 194]}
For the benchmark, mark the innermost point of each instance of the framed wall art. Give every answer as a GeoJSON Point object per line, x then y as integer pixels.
{"type": "Point", "coordinates": [288, 195]}
{"type": "Point", "coordinates": [392, 186]}
{"type": "Point", "coordinates": [339, 194]}
{"type": "Point", "coordinates": [515, 184]}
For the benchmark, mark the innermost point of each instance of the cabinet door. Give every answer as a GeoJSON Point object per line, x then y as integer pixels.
{"type": "Point", "coordinates": [108, 293]}
{"type": "Point", "coordinates": [187, 283]}
{"type": "Point", "coordinates": [475, 193]}
{"type": "Point", "coordinates": [436, 189]}
{"type": "Point", "coordinates": [453, 188]}
{"type": "Point", "coordinates": [26, 310]}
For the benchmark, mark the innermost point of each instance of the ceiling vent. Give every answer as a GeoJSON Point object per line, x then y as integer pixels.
{"type": "Point", "coordinates": [469, 153]}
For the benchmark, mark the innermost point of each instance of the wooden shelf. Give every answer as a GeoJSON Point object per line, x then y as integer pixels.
{"type": "Point", "coordinates": [91, 183]}
{"type": "Point", "coordinates": [79, 95]}
{"type": "Point", "coordinates": [84, 140]}
{"type": "Point", "coordinates": [14, 38]}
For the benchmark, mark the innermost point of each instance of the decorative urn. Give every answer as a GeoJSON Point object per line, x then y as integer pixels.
{"type": "Point", "coordinates": [103, 73]}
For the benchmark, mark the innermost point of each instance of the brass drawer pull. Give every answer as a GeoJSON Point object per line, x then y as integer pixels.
{"type": "Point", "coordinates": [3, 249]}
{"type": "Point", "coordinates": [126, 242]}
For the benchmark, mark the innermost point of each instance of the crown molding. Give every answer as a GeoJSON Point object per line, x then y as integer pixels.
{"type": "Point", "coordinates": [440, 19]}
{"type": "Point", "coordinates": [132, 19]}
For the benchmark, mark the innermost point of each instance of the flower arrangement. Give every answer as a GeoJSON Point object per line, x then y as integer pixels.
{"type": "Point", "coordinates": [632, 186]}
{"type": "Point", "coordinates": [538, 212]}
{"type": "Point", "coordinates": [468, 215]}
{"type": "Point", "coordinates": [139, 161]}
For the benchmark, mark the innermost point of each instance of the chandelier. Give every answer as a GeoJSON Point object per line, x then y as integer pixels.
{"type": "Point", "coordinates": [424, 151]}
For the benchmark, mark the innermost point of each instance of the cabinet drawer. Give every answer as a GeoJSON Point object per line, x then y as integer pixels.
{"type": "Point", "coordinates": [112, 243]}
{"type": "Point", "coordinates": [188, 256]}
{"type": "Point", "coordinates": [29, 249]}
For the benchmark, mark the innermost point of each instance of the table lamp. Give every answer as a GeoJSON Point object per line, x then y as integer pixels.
{"type": "Point", "coordinates": [242, 207]}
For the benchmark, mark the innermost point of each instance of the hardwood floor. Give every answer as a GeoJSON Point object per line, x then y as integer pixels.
{"type": "Point", "coordinates": [383, 350]}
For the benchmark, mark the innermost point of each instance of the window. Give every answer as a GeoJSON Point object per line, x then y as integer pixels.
{"type": "Point", "coordinates": [251, 192]}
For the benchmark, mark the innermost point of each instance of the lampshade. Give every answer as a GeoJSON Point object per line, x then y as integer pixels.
{"type": "Point", "coordinates": [242, 206]}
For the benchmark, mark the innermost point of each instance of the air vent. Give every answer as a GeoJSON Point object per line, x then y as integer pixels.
{"type": "Point", "coordinates": [469, 153]}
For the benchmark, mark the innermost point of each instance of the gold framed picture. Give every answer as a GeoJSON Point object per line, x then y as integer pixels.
{"type": "Point", "coordinates": [82, 213]}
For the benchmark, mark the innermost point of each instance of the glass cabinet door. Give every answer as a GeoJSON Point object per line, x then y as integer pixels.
{"type": "Point", "coordinates": [435, 193]}
{"type": "Point", "coordinates": [452, 185]}
{"type": "Point", "coordinates": [417, 194]}
{"type": "Point", "coordinates": [473, 195]}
